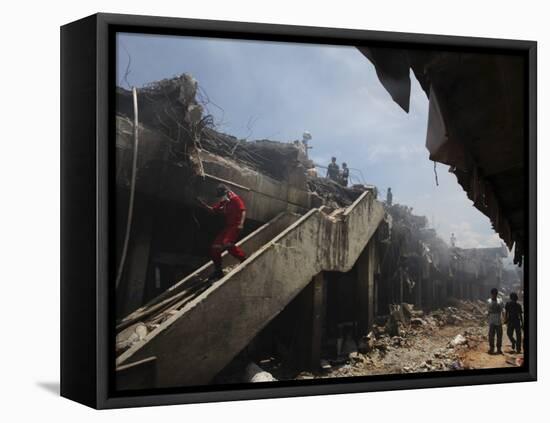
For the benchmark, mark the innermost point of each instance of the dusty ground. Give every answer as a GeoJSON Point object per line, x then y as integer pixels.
{"type": "Point", "coordinates": [454, 338]}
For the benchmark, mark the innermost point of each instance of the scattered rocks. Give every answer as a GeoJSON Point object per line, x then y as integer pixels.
{"type": "Point", "coordinates": [305, 376]}
{"type": "Point", "coordinates": [456, 365]}
{"type": "Point", "coordinates": [417, 321]}
{"type": "Point", "coordinates": [413, 341]}
{"type": "Point", "coordinates": [366, 343]}
{"type": "Point", "coordinates": [325, 365]}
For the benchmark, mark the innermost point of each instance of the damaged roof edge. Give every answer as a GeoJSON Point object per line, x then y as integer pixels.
{"type": "Point", "coordinates": [393, 70]}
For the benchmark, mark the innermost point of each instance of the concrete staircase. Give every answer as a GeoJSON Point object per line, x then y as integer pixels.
{"type": "Point", "coordinates": [202, 327]}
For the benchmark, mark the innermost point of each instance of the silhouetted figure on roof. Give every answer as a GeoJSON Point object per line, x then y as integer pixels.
{"type": "Point", "coordinates": [333, 171]}
{"type": "Point", "coordinates": [345, 174]}
{"type": "Point", "coordinates": [306, 137]}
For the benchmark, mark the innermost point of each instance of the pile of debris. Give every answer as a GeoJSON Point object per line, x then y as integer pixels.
{"type": "Point", "coordinates": [272, 158]}
{"type": "Point", "coordinates": [466, 311]}
{"type": "Point", "coordinates": [333, 194]}
{"type": "Point", "coordinates": [403, 342]}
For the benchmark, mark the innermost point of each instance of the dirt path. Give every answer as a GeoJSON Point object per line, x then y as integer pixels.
{"type": "Point", "coordinates": [433, 345]}
{"type": "Point", "coordinates": [476, 357]}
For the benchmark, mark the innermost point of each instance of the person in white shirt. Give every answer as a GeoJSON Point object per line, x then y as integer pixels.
{"type": "Point", "coordinates": [495, 307]}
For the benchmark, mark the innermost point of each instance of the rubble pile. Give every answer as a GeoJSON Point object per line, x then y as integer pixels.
{"type": "Point", "coordinates": [412, 341]}
{"type": "Point", "coordinates": [466, 311]}
{"type": "Point", "coordinates": [272, 158]}
{"type": "Point", "coordinates": [333, 194]}
{"type": "Point", "coordinates": [176, 108]}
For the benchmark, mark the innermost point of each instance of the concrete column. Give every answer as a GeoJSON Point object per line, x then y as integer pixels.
{"type": "Point", "coordinates": [365, 288]}
{"type": "Point", "coordinates": [312, 308]}
{"type": "Point", "coordinates": [376, 290]}
{"type": "Point", "coordinates": [418, 292]}
{"type": "Point", "coordinates": [426, 288]}
{"type": "Point", "coordinates": [129, 296]}
{"type": "Point", "coordinates": [401, 287]}
{"type": "Point", "coordinates": [444, 292]}
{"type": "Point", "coordinates": [318, 313]}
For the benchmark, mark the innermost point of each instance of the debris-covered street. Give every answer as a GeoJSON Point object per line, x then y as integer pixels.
{"type": "Point", "coordinates": [452, 338]}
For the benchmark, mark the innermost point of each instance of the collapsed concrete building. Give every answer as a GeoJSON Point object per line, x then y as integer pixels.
{"type": "Point", "coordinates": [299, 228]}
{"type": "Point", "coordinates": [323, 260]}
{"type": "Point", "coordinates": [419, 268]}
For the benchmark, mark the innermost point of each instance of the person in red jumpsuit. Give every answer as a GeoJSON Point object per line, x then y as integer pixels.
{"type": "Point", "coordinates": [232, 207]}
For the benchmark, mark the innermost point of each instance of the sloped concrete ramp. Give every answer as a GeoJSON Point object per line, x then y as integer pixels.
{"type": "Point", "coordinates": [202, 335]}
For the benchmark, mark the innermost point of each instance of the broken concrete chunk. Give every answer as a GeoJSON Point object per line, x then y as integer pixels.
{"type": "Point", "coordinates": [141, 331]}
{"type": "Point", "coordinates": [325, 365]}
{"type": "Point", "coordinates": [416, 321]}
{"type": "Point", "coordinates": [255, 374]}
{"type": "Point", "coordinates": [132, 334]}
{"type": "Point", "coordinates": [458, 340]}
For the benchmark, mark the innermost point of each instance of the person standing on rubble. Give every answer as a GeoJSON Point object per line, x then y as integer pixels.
{"type": "Point", "coordinates": [345, 174]}
{"type": "Point", "coordinates": [514, 321]}
{"type": "Point", "coordinates": [494, 311]}
{"type": "Point", "coordinates": [389, 197]}
{"type": "Point", "coordinates": [232, 207]}
{"type": "Point", "coordinates": [333, 171]}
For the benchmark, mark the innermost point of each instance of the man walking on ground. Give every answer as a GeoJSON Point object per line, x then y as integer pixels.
{"type": "Point", "coordinates": [514, 321]}
{"type": "Point", "coordinates": [333, 171]}
{"type": "Point", "coordinates": [232, 207]}
{"type": "Point", "coordinates": [494, 311]}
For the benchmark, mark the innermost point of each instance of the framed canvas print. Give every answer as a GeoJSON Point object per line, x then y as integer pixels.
{"type": "Point", "coordinates": [257, 211]}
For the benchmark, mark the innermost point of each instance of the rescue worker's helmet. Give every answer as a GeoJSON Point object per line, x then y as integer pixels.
{"type": "Point", "coordinates": [221, 190]}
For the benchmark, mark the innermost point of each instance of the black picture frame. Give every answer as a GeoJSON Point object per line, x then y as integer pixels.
{"type": "Point", "coordinates": [87, 80]}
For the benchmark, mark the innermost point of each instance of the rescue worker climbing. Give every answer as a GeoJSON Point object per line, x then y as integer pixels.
{"type": "Point", "coordinates": [232, 207]}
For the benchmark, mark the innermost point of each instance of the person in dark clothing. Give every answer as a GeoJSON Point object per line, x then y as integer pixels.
{"type": "Point", "coordinates": [389, 197]}
{"type": "Point", "coordinates": [514, 321]}
{"type": "Point", "coordinates": [494, 314]}
{"type": "Point", "coordinates": [232, 207]}
{"type": "Point", "coordinates": [333, 171]}
{"type": "Point", "coordinates": [345, 174]}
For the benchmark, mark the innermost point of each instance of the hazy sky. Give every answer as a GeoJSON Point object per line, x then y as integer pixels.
{"type": "Point", "coordinates": [279, 90]}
